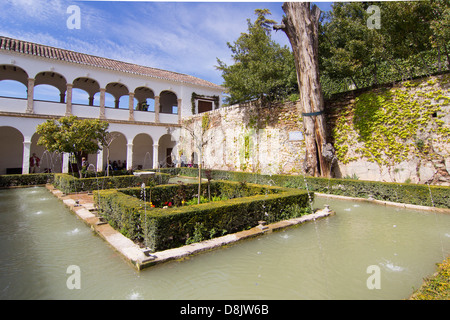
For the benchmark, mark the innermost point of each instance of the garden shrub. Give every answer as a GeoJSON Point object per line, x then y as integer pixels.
{"type": "Point", "coordinates": [70, 184]}
{"type": "Point", "coordinates": [418, 194]}
{"type": "Point", "coordinates": [32, 179]}
{"type": "Point", "coordinates": [176, 226]}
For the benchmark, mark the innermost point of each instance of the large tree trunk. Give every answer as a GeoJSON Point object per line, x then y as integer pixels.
{"type": "Point", "coordinates": [301, 25]}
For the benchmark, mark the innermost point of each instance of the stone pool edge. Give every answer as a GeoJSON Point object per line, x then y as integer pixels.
{"type": "Point", "coordinates": [83, 206]}
{"type": "Point", "coordinates": [385, 203]}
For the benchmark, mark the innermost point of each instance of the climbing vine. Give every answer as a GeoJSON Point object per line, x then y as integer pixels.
{"type": "Point", "coordinates": [389, 125]}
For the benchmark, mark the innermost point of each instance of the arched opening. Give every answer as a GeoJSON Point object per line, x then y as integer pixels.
{"type": "Point", "coordinates": [45, 82]}
{"type": "Point", "coordinates": [117, 91]}
{"type": "Point", "coordinates": [46, 92]}
{"type": "Point", "coordinates": [167, 153]}
{"type": "Point", "coordinates": [13, 82]}
{"type": "Point", "coordinates": [13, 89]}
{"type": "Point", "coordinates": [117, 152]}
{"type": "Point", "coordinates": [80, 96]}
{"type": "Point", "coordinates": [49, 161]}
{"type": "Point", "coordinates": [88, 85]}
{"type": "Point", "coordinates": [11, 139]}
{"type": "Point", "coordinates": [145, 99]}
{"type": "Point", "coordinates": [168, 102]}
{"type": "Point", "coordinates": [142, 152]}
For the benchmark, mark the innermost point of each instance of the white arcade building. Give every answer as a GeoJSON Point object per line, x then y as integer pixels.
{"type": "Point", "coordinates": [143, 105]}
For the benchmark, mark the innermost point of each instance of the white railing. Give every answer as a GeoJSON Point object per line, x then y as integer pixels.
{"type": "Point", "coordinates": [19, 105]}
{"type": "Point", "coordinates": [49, 108]}
{"type": "Point", "coordinates": [144, 116]}
{"type": "Point", "coordinates": [13, 104]}
{"type": "Point", "coordinates": [168, 118]}
{"type": "Point", "coordinates": [84, 111]}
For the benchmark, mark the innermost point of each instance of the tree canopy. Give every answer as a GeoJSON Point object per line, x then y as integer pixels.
{"type": "Point", "coordinates": [262, 69]}
{"type": "Point", "coordinates": [413, 40]}
{"type": "Point", "coordinates": [73, 135]}
{"type": "Point", "coordinates": [412, 37]}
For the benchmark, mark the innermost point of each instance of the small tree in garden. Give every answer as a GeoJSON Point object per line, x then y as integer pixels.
{"type": "Point", "coordinates": [197, 133]}
{"type": "Point", "coordinates": [106, 141]}
{"type": "Point", "coordinates": [72, 135]}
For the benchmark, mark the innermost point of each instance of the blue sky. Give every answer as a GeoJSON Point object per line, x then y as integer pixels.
{"type": "Point", "coordinates": [184, 37]}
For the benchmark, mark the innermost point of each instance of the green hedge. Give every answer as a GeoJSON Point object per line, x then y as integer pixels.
{"type": "Point", "coordinates": [176, 226]}
{"type": "Point", "coordinates": [70, 184]}
{"type": "Point", "coordinates": [16, 180]}
{"type": "Point", "coordinates": [417, 194]}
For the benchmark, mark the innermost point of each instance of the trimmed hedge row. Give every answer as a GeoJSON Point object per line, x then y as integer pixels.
{"type": "Point", "coordinates": [172, 227]}
{"type": "Point", "coordinates": [418, 194]}
{"type": "Point", "coordinates": [16, 180]}
{"type": "Point", "coordinates": [70, 184]}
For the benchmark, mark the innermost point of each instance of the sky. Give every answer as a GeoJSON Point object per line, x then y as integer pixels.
{"type": "Point", "coordinates": [185, 37]}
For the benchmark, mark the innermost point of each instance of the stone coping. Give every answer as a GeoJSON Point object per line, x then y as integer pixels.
{"type": "Point", "coordinates": [82, 204]}
{"type": "Point", "coordinates": [386, 203]}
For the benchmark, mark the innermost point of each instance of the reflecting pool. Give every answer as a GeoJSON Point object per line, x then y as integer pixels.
{"type": "Point", "coordinates": [327, 259]}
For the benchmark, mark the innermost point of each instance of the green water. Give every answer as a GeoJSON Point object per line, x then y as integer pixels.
{"type": "Point", "coordinates": [327, 259]}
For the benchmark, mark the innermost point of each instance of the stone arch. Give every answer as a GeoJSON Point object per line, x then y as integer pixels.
{"type": "Point", "coordinates": [117, 149]}
{"type": "Point", "coordinates": [11, 140]}
{"type": "Point", "coordinates": [167, 151]}
{"type": "Point", "coordinates": [147, 96]}
{"type": "Point", "coordinates": [118, 90]}
{"type": "Point", "coordinates": [13, 81]}
{"type": "Point", "coordinates": [168, 102]}
{"type": "Point", "coordinates": [50, 161]}
{"type": "Point", "coordinates": [88, 85]}
{"type": "Point", "coordinates": [142, 151]}
{"type": "Point", "coordinates": [50, 79]}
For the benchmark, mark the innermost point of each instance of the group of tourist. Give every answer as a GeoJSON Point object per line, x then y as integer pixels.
{"type": "Point", "coordinates": [117, 165]}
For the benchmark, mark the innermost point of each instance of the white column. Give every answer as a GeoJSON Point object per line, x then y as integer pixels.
{"type": "Point", "coordinates": [65, 164]}
{"type": "Point", "coordinates": [155, 156]}
{"type": "Point", "coordinates": [100, 161]}
{"type": "Point", "coordinates": [129, 155]}
{"type": "Point", "coordinates": [26, 157]}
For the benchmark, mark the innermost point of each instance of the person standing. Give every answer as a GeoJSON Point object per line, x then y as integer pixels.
{"type": "Point", "coordinates": [34, 163]}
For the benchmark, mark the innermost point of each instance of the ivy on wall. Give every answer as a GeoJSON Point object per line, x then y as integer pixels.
{"type": "Point", "coordinates": [388, 126]}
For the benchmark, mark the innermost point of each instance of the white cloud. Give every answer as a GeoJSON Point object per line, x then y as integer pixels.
{"type": "Point", "coordinates": [181, 37]}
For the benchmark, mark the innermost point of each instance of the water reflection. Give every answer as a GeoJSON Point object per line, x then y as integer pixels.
{"type": "Point", "coordinates": [40, 239]}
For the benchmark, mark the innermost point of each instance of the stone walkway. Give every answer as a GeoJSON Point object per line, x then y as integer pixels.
{"type": "Point", "coordinates": [82, 204]}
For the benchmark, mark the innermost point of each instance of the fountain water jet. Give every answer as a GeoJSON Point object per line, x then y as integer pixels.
{"type": "Point", "coordinates": [146, 250]}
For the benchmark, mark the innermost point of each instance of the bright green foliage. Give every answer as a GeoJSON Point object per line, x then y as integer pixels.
{"type": "Point", "coordinates": [413, 37]}
{"type": "Point", "coordinates": [72, 135]}
{"type": "Point", "coordinates": [32, 179]}
{"type": "Point", "coordinates": [436, 287]}
{"type": "Point", "coordinates": [175, 226]}
{"type": "Point", "coordinates": [388, 191]}
{"type": "Point", "coordinates": [262, 68]}
{"type": "Point", "coordinates": [386, 124]}
{"type": "Point", "coordinates": [70, 184]}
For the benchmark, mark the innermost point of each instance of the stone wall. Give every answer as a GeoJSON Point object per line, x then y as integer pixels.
{"type": "Point", "coordinates": [248, 137]}
{"type": "Point", "coordinates": [398, 133]}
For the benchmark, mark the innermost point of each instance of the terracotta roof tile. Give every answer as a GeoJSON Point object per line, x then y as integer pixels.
{"type": "Point", "coordinates": [81, 58]}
